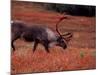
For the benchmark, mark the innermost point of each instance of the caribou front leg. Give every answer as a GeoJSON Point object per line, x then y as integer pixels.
{"type": "Point", "coordinates": [46, 45]}
{"type": "Point", "coordinates": [35, 45]}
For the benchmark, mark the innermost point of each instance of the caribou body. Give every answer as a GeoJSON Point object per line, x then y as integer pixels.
{"type": "Point", "coordinates": [38, 34]}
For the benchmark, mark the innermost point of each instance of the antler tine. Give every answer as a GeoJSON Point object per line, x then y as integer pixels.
{"type": "Point", "coordinates": [68, 38]}
{"type": "Point", "coordinates": [67, 34]}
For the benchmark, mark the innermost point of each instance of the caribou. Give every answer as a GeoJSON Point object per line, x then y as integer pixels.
{"type": "Point", "coordinates": [39, 34]}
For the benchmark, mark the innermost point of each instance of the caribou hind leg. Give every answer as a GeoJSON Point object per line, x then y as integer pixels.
{"type": "Point", "coordinates": [14, 38]}
{"type": "Point", "coordinates": [12, 44]}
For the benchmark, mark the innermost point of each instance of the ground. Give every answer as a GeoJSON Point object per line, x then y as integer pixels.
{"type": "Point", "coordinates": [81, 51]}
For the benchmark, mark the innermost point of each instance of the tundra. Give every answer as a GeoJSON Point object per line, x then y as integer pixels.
{"type": "Point", "coordinates": [38, 34]}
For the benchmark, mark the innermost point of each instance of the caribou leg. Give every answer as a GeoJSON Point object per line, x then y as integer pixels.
{"type": "Point", "coordinates": [35, 45]}
{"type": "Point", "coordinates": [12, 44]}
{"type": "Point", "coordinates": [46, 45]}
{"type": "Point", "coordinates": [14, 38]}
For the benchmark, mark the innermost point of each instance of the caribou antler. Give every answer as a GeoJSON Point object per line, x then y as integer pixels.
{"type": "Point", "coordinates": [58, 24]}
{"type": "Point", "coordinates": [69, 35]}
